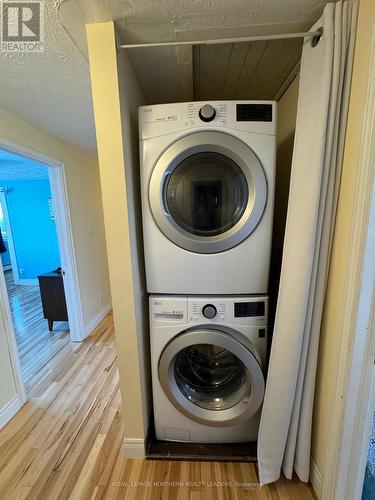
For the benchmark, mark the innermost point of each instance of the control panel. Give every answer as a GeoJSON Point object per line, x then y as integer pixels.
{"type": "Point", "coordinates": [200, 309]}
{"type": "Point", "coordinates": [250, 116]}
{"type": "Point", "coordinates": [244, 310]}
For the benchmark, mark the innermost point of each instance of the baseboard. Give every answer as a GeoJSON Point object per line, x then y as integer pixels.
{"type": "Point", "coordinates": [134, 448]}
{"type": "Point", "coordinates": [30, 281]}
{"type": "Point", "coordinates": [316, 478]}
{"type": "Point", "coordinates": [10, 409]}
{"type": "Point", "coordinates": [96, 320]}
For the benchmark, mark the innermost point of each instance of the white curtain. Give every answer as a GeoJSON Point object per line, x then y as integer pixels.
{"type": "Point", "coordinates": [285, 428]}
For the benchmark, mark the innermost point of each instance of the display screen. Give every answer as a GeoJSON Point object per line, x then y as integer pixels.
{"type": "Point", "coordinates": [248, 309]}
{"type": "Point", "coordinates": [254, 112]}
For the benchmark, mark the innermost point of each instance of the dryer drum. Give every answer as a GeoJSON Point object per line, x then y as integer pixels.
{"type": "Point", "coordinates": [208, 192]}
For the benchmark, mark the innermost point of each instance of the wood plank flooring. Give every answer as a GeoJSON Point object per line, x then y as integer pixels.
{"type": "Point", "coordinates": [37, 346]}
{"type": "Point", "coordinates": [65, 443]}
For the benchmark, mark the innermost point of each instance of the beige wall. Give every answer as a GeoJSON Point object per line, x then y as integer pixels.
{"type": "Point", "coordinates": [335, 299]}
{"type": "Point", "coordinates": [287, 114]}
{"type": "Point", "coordinates": [116, 96]}
{"type": "Point", "coordinates": [84, 198]}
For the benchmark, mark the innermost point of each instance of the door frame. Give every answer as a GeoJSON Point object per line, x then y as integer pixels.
{"type": "Point", "coordinates": [354, 392]}
{"type": "Point", "coordinates": [56, 174]}
{"type": "Point", "coordinates": [8, 227]}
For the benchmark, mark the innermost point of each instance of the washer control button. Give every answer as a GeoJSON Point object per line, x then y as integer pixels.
{"type": "Point", "coordinates": [209, 311]}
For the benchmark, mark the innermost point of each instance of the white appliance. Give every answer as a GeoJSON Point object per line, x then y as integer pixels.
{"type": "Point", "coordinates": [208, 356]}
{"type": "Point", "coordinates": [207, 181]}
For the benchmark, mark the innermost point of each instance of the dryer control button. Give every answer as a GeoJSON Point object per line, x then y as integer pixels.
{"type": "Point", "coordinates": [209, 311]}
{"type": "Point", "coordinates": [207, 113]}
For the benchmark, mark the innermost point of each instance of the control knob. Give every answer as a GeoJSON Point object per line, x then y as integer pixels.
{"type": "Point", "coordinates": [209, 311]}
{"type": "Point", "coordinates": [207, 113]}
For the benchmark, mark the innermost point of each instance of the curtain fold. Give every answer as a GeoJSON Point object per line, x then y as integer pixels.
{"type": "Point", "coordinates": [285, 428]}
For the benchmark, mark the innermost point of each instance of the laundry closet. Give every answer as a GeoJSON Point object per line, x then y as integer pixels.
{"type": "Point", "coordinates": [201, 144]}
{"type": "Point", "coordinates": [213, 268]}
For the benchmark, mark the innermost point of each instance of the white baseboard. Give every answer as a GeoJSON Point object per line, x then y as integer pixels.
{"type": "Point", "coordinates": [10, 409]}
{"type": "Point", "coordinates": [316, 478]}
{"type": "Point", "coordinates": [96, 320]}
{"type": "Point", "coordinates": [134, 448]}
{"type": "Point", "coordinates": [30, 281]}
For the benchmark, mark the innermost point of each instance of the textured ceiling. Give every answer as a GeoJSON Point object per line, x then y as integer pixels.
{"type": "Point", "coordinates": [52, 89]}
{"type": "Point", "coordinates": [15, 167]}
{"type": "Point", "coordinates": [169, 74]}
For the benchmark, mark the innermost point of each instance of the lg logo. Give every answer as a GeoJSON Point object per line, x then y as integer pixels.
{"type": "Point", "coordinates": [22, 26]}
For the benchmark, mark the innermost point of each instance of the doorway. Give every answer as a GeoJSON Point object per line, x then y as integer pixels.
{"type": "Point", "coordinates": [39, 281]}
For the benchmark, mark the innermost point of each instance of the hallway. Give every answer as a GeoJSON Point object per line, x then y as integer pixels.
{"type": "Point", "coordinates": [66, 441]}
{"type": "Point", "coordinates": [37, 346]}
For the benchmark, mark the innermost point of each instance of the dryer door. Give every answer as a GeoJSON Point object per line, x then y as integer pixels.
{"type": "Point", "coordinates": [208, 192]}
{"type": "Point", "coordinates": [212, 376]}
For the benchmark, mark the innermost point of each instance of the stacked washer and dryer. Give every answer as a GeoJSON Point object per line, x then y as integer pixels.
{"type": "Point", "coordinates": [207, 184]}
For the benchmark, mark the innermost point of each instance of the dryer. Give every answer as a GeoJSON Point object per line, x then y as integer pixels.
{"type": "Point", "coordinates": [208, 356]}
{"type": "Point", "coordinates": [207, 184]}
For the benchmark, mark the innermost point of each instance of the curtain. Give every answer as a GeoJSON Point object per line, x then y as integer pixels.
{"type": "Point", "coordinates": [285, 427]}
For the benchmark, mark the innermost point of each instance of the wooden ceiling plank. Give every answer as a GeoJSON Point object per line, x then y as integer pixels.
{"type": "Point", "coordinates": [221, 55]}
{"type": "Point", "coordinates": [264, 70]}
{"type": "Point", "coordinates": [282, 53]}
{"type": "Point", "coordinates": [288, 66]}
{"type": "Point", "coordinates": [249, 69]}
{"type": "Point", "coordinates": [196, 72]}
{"type": "Point", "coordinates": [236, 63]}
{"type": "Point", "coordinates": [206, 71]}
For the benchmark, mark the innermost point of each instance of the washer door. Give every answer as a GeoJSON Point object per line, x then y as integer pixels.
{"type": "Point", "coordinates": [208, 192]}
{"type": "Point", "coordinates": [212, 377]}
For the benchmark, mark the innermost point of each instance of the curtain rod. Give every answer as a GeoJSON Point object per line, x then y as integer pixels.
{"type": "Point", "coordinates": [316, 35]}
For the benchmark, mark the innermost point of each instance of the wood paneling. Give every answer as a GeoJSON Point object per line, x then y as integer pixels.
{"type": "Point", "coordinates": [37, 346]}
{"type": "Point", "coordinates": [66, 442]}
{"type": "Point", "coordinates": [255, 70]}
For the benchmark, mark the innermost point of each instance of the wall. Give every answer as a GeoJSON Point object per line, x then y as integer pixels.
{"type": "Point", "coordinates": [335, 298]}
{"type": "Point", "coordinates": [33, 230]}
{"type": "Point", "coordinates": [116, 96]}
{"type": "Point", "coordinates": [84, 197]}
{"type": "Point", "coordinates": [287, 114]}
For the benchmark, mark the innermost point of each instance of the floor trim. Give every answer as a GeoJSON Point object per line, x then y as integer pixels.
{"type": "Point", "coordinates": [96, 320]}
{"type": "Point", "coordinates": [316, 478]}
{"type": "Point", "coordinates": [10, 409]}
{"type": "Point", "coordinates": [26, 281]}
{"type": "Point", "coordinates": [134, 448]}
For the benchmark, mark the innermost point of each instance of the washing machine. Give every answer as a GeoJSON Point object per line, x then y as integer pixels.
{"type": "Point", "coordinates": [208, 356]}
{"type": "Point", "coordinates": [207, 184]}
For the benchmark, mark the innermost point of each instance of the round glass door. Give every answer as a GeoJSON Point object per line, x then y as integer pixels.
{"type": "Point", "coordinates": [212, 376]}
{"type": "Point", "coordinates": [208, 192]}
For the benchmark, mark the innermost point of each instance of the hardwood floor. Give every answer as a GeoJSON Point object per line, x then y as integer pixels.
{"type": "Point", "coordinates": [65, 443]}
{"type": "Point", "coordinates": [37, 346]}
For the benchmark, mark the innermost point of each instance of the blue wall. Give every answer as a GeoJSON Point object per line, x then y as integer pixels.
{"type": "Point", "coordinates": [33, 230]}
